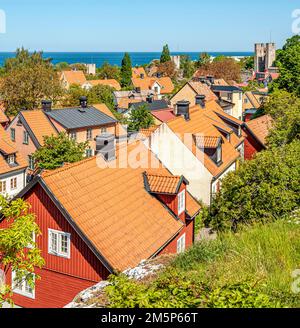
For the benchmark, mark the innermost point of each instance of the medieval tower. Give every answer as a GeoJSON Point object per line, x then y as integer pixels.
{"type": "Point", "coordinates": [265, 55]}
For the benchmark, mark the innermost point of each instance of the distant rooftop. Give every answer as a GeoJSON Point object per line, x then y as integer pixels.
{"type": "Point", "coordinates": [78, 117]}
{"type": "Point", "coordinates": [228, 88]}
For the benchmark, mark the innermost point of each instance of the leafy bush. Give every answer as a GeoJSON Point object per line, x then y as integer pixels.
{"type": "Point", "coordinates": [262, 190]}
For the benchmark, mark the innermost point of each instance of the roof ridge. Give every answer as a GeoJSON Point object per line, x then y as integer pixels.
{"type": "Point", "coordinates": [65, 167]}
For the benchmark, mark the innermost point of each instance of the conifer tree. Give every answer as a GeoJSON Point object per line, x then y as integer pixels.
{"type": "Point", "coordinates": [126, 70]}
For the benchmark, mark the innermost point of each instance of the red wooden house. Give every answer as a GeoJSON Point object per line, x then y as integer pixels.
{"type": "Point", "coordinates": [255, 133]}
{"type": "Point", "coordinates": [95, 221]}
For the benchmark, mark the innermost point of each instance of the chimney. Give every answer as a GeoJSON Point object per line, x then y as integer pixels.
{"type": "Point", "coordinates": [200, 100]}
{"type": "Point", "coordinates": [83, 101]}
{"type": "Point", "coordinates": [183, 108]}
{"type": "Point", "coordinates": [211, 79]}
{"type": "Point", "coordinates": [149, 99]}
{"type": "Point", "coordinates": [47, 105]}
{"type": "Point", "coordinates": [142, 75]}
{"type": "Point", "coordinates": [105, 145]}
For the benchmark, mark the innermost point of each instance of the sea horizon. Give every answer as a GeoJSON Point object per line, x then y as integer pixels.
{"type": "Point", "coordinates": [115, 57]}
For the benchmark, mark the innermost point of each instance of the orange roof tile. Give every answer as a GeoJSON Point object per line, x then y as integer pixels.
{"type": "Point", "coordinates": [192, 206]}
{"type": "Point", "coordinates": [113, 209]}
{"type": "Point", "coordinates": [109, 82]}
{"type": "Point", "coordinates": [206, 141]}
{"type": "Point", "coordinates": [74, 77]}
{"type": "Point", "coordinates": [7, 147]}
{"type": "Point", "coordinates": [145, 133]}
{"type": "Point", "coordinates": [204, 122]}
{"type": "Point", "coordinates": [39, 124]}
{"type": "Point", "coordinates": [148, 82]}
{"type": "Point", "coordinates": [163, 184]}
{"type": "Point", "coordinates": [260, 127]}
{"type": "Point", "coordinates": [137, 71]}
{"type": "Point", "coordinates": [202, 89]}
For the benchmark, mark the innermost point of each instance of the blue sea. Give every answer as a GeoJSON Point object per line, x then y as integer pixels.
{"type": "Point", "coordinates": [115, 58]}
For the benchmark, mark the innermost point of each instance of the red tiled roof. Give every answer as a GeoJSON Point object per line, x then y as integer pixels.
{"type": "Point", "coordinates": [163, 184]}
{"type": "Point", "coordinates": [163, 115]}
{"type": "Point", "coordinates": [260, 127]}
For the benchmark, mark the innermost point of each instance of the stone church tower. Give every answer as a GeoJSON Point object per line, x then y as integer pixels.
{"type": "Point", "coordinates": [265, 55]}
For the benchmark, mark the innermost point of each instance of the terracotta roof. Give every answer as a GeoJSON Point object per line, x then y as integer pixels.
{"type": "Point", "coordinates": [206, 141]}
{"type": "Point", "coordinates": [260, 127]}
{"type": "Point", "coordinates": [192, 206]}
{"type": "Point", "coordinates": [202, 89]}
{"type": "Point", "coordinates": [39, 124]}
{"type": "Point", "coordinates": [205, 122]}
{"type": "Point", "coordinates": [109, 82]}
{"type": "Point", "coordinates": [137, 71]}
{"type": "Point", "coordinates": [113, 209]}
{"type": "Point", "coordinates": [148, 82]}
{"type": "Point", "coordinates": [252, 98]}
{"type": "Point", "coordinates": [7, 147]}
{"type": "Point", "coordinates": [74, 77]}
{"type": "Point", "coordinates": [163, 184]}
{"type": "Point", "coordinates": [3, 117]}
{"type": "Point", "coordinates": [145, 133]}
{"type": "Point", "coordinates": [163, 115]}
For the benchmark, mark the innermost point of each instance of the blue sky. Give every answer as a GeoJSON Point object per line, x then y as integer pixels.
{"type": "Point", "coordinates": [132, 25]}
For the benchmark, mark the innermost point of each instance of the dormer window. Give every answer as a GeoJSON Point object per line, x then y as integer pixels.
{"type": "Point", "coordinates": [219, 153]}
{"type": "Point", "coordinates": [181, 202]}
{"type": "Point", "coordinates": [11, 160]}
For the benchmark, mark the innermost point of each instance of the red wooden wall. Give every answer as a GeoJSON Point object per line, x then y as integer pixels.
{"type": "Point", "coordinates": [251, 146]}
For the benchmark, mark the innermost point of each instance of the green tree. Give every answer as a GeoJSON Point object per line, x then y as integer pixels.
{"type": "Point", "coordinates": [63, 66]}
{"type": "Point", "coordinates": [28, 79]}
{"type": "Point", "coordinates": [165, 55]}
{"type": "Point", "coordinates": [107, 71]}
{"type": "Point", "coordinates": [288, 61]}
{"type": "Point", "coordinates": [187, 66]}
{"type": "Point", "coordinates": [58, 150]}
{"type": "Point", "coordinates": [247, 63]}
{"type": "Point", "coordinates": [261, 190]}
{"type": "Point", "coordinates": [204, 59]}
{"type": "Point", "coordinates": [140, 118]}
{"type": "Point", "coordinates": [126, 70]}
{"type": "Point", "coordinates": [284, 108]}
{"type": "Point", "coordinates": [14, 241]}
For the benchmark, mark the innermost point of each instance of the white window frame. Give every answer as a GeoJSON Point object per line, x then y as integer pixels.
{"type": "Point", "coordinates": [58, 251]}
{"type": "Point", "coordinates": [219, 154]}
{"type": "Point", "coordinates": [89, 134]}
{"type": "Point", "coordinates": [73, 135]}
{"type": "Point", "coordinates": [104, 129]}
{"type": "Point", "coordinates": [3, 183]}
{"type": "Point", "coordinates": [25, 138]}
{"type": "Point", "coordinates": [89, 152]}
{"type": "Point", "coordinates": [11, 159]}
{"type": "Point", "coordinates": [13, 183]}
{"type": "Point", "coordinates": [181, 202]}
{"type": "Point", "coordinates": [21, 291]}
{"type": "Point", "coordinates": [31, 163]}
{"type": "Point", "coordinates": [181, 244]}
{"type": "Point", "coordinates": [13, 134]}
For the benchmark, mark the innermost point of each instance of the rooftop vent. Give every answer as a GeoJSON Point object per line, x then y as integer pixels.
{"type": "Point", "coordinates": [46, 105]}
{"type": "Point", "coordinates": [183, 108]}
{"type": "Point", "coordinates": [200, 100]}
{"type": "Point", "coordinates": [149, 98]}
{"type": "Point", "coordinates": [211, 79]}
{"type": "Point", "coordinates": [142, 75]}
{"type": "Point", "coordinates": [83, 101]}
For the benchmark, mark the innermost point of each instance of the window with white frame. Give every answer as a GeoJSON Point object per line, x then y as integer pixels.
{"type": "Point", "coordinates": [11, 159]}
{"type": "Point", "coordinates": [59, 243]}
{"type": "Point", "coordinates": [3, 186]}
{"type": "Point", "coordinates": [22, 287]}
{"type": "Point", "coordinates": [181, 202]}
{"type": "Point", "coordinates": [89, 134]}
{"type": "Point", "coordinates": [181, 244]}
{"type": "Point", "coordinates": [73, 135]}
{"type": "Point", "coordinates": [103, 130]}
{"type": "Point", "coordinates": [31, 162]}
{"type": "Point", "coordinates": [219, 154]}
{"type": "Point", "coordinates": [25, 138]}
{"type": "Point", "coordinates": [13, 183]}
{"type": "Point", "coordinates": [12, 134]}
{"type": "Point", "coordinates": [89, 152]}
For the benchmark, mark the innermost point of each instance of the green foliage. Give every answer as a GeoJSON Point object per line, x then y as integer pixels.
{"type": "Point", "coordinates": [262, 190]}
{"type": "Point", "coordinates": [58, 150]}
{"type": "Point", "coordinates": [204, 59]}
{"type": "Point", "coordinates": [107, 71]}
{"type": "Point", "coordinates": [252, 86]}
{"type": "Point", "coordinates": [284, 108]}
{"type": "Point", "coordinates": [62, 66]}
{"type": "Point", "coordinates": [187, 66]}
{"type": "Point", "coordinates": [14, 240]}
{"type": "Point", "coordinates": [288, 61]}
{"type": "Point", "coordinates": [251, 269]}
{"type": "Point", "coordinates": [28, 79]}
{"type": "Point", "coordinates": [240, 295]}
{"type": "Point", "coordinates": [165, 55]}
{"type": "Point", "coordinates": [140, 118]}
{"type": "Point", "coordinates": [99, 94]}
{"type": "Point", "coordinates": [126, 71]}
{"type": "Point", "coordinates": [247, 63]}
